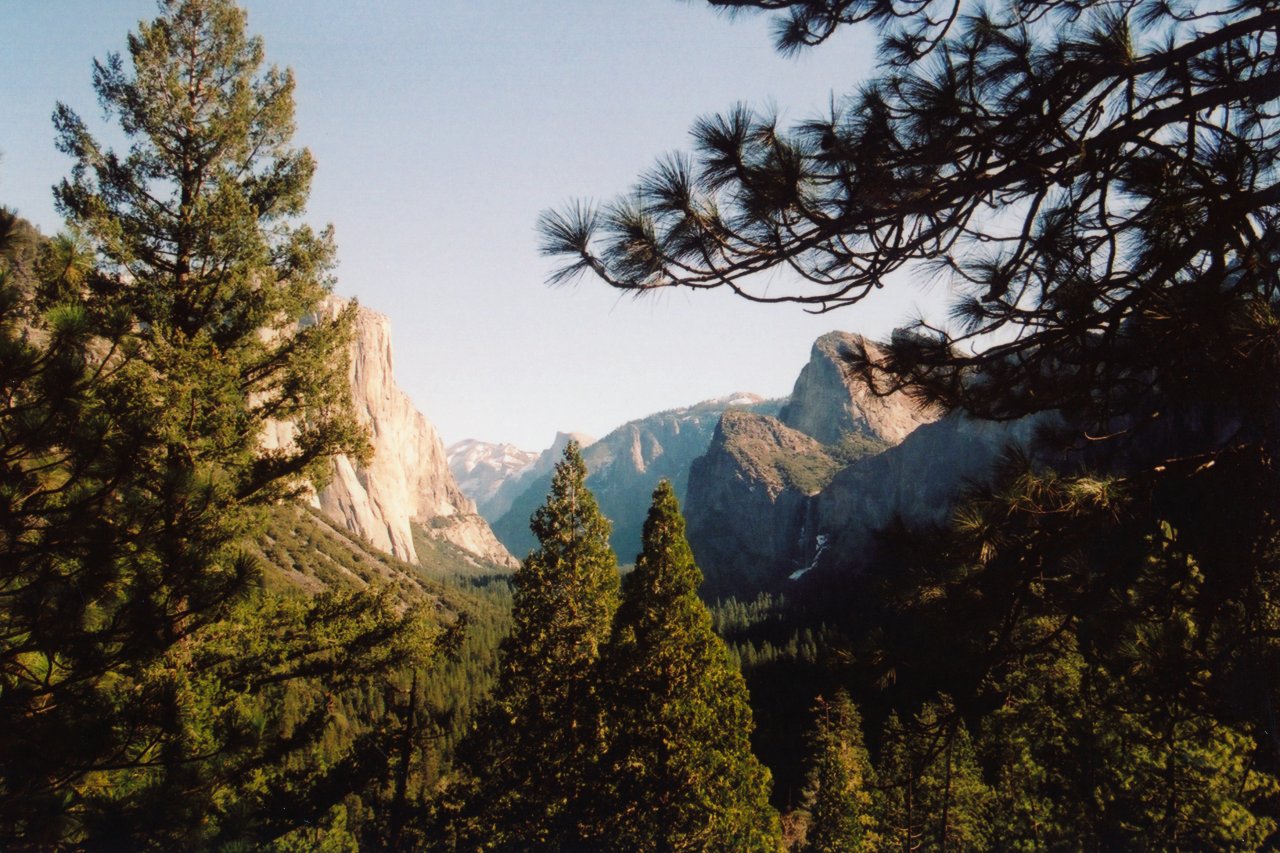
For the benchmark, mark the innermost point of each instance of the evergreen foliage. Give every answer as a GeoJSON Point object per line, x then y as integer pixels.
{"type": "Point", "coordinates": [1097, 183]}
{"type": "Point", "coordinates": [1096, 179]}
{"type": "Point", "coordinates": [841, 816]}
{"type": "Point", "coordinates": [533, 753]}
{"type": "Point", "coordinates": [152, 693]}
{"type": "Point", "coordinates": [681, 774]}
{"type": "Point", "coordinates": [932, 794]}
{"type": "Point", "coordinates": [1108, 742]}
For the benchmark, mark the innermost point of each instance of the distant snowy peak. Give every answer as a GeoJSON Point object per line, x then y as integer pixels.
{"type": "Point", "coordinates": [481, 468]}
{"type": "Point", "coordinates": [494, 475]}
{"type": "Point", "coordinates": [741, 398]}
{"type": "Point", "coordinates": [469, 455]}
{"type": "Point", "coordinates": [717, 405]}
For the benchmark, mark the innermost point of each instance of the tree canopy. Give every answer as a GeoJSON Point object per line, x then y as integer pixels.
{"type": "Point", "coordinates": [531, 758]}
{"type": "Point", "coordinates": [681, 774]}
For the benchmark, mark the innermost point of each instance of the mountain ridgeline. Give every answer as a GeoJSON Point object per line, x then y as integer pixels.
{"type": "Point", "coordinates": [624, 468]}
{"type": "Point", "coordinates": [772, 489]}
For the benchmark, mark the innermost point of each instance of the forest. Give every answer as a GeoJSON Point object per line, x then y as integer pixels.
{"type": "Point", "coordinates": [1085, 656]}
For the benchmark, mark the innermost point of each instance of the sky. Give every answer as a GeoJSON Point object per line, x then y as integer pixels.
{"type": "Point", "coordinates": [442, 128]}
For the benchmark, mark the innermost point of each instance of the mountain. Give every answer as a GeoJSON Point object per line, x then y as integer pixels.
{"type": "Point", "coordinates": [303, 549]}
{"type": "Point", "coordinates": [406, 481]}
{"type": "Point", "coordinates": [917, 480]}
{"type": "Point", "coordinates": [518, 498]}
{"type": "Point", "coordinates": [828, 404]}
{"type": "Point", "coordinates": [753, 497]}
{"type": "Point", "coordinates": [481, 468]}
{"type": "Point", "coordinates": [748, 496]}
{"type": "Point", "coordinates": [624, 467]}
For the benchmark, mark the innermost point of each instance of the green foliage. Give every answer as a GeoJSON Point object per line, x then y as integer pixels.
{"type": "Point", "coordinates": [153, 694]}
{"type": "Point", "coordinates": [1093, 748]}
{"type": "Point", "coordinates": [841, 816]}
{"type": "Point", "coordinates": [529, 759]}
{"type": "Point", "coordinates": [932, 795]}
{"type": "Point", "coordinates": [854, 446]}
{"type": "Point", "coordinates": [680, 772]}
{"type": "Point", "coordinates": [806, 472]}
{"type": "Point", "coordinates": [260, 713]}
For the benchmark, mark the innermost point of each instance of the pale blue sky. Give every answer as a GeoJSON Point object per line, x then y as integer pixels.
{"type": "Point", "coordinates": [441, 129]}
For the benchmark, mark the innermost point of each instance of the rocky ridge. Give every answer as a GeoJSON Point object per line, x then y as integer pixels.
{"type": "Point", "coordinates": [828, 404]}
{"type": "Point", "coordinates": [765, 502]}
{"type": "Point", "coordinates": [624, 467]}
{"type": "Point", "coordinates": [748, 494]}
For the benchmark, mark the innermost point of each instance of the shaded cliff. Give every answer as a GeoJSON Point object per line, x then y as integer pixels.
{"type": "Point", "coordinates": [917, 480]}
{"type": "Point", "coordinates": [773, 500]}
{"type": "Point", "coordinates": [748, 498]}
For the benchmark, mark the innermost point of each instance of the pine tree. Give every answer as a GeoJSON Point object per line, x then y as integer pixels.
{"type": "Point", "coordinates": [900, 810]}
{"type": "Point", "coordinates": [151, 348]}
{"type": "Point", "coordinates": [839, 799]}
{"type": "Point", "coordinates": [197, 240]}
{"type": "Point", "coordinates": [995, 145]}
{"type": "Point", "coordinates": [681, 775]}
{"type": "Point", "coordinates": [534, 751]}
{"type": "Point", "coordinates": [1103, 738]}
{"type": "Point", "coordinates": [932, 795]}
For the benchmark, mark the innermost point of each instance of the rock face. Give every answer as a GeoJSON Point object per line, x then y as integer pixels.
{"type": "Point", "coordinates": [623, 469]}
{"type": "Point", "coordinates": [517, 499]}
{"type": "Point", "coordinates": [755, 525]}
{"type": "Point", "coordinates": [827, 404]}
{"type": "Point", "coordinates": [918, 481]}
{"type": "Point", "coordinates": [773, 500]}
{"type": "Point", "coordinates": [482, 469]}
{"type": "Point", "coordinates": [406, 480]}
{"type": "Point", "coordinates": [748, 498]}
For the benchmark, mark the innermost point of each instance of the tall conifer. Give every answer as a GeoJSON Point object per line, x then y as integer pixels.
{"type": "Point", "coordinates": [533, 752]}
{"type": "Point", "coordinates": [149, 354]}
{"type": "Point", "coordinates": [838, 799]}
{"type": "Point", "coordinates": [681, 772]}
{"type": "Point", "coordinates": [932, 795]}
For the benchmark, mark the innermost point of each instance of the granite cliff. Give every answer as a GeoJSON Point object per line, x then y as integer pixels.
{"type": "Point", "coordinates": [406, 481]}
{"type": "Point", "coordinates": [917, 480]}
{"type": "Point", "coordinates": [828, 405]}
{"type": "Point", "coordinates": [764, 504]}
{"type": "Point", "coordinates": [748, 495]}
